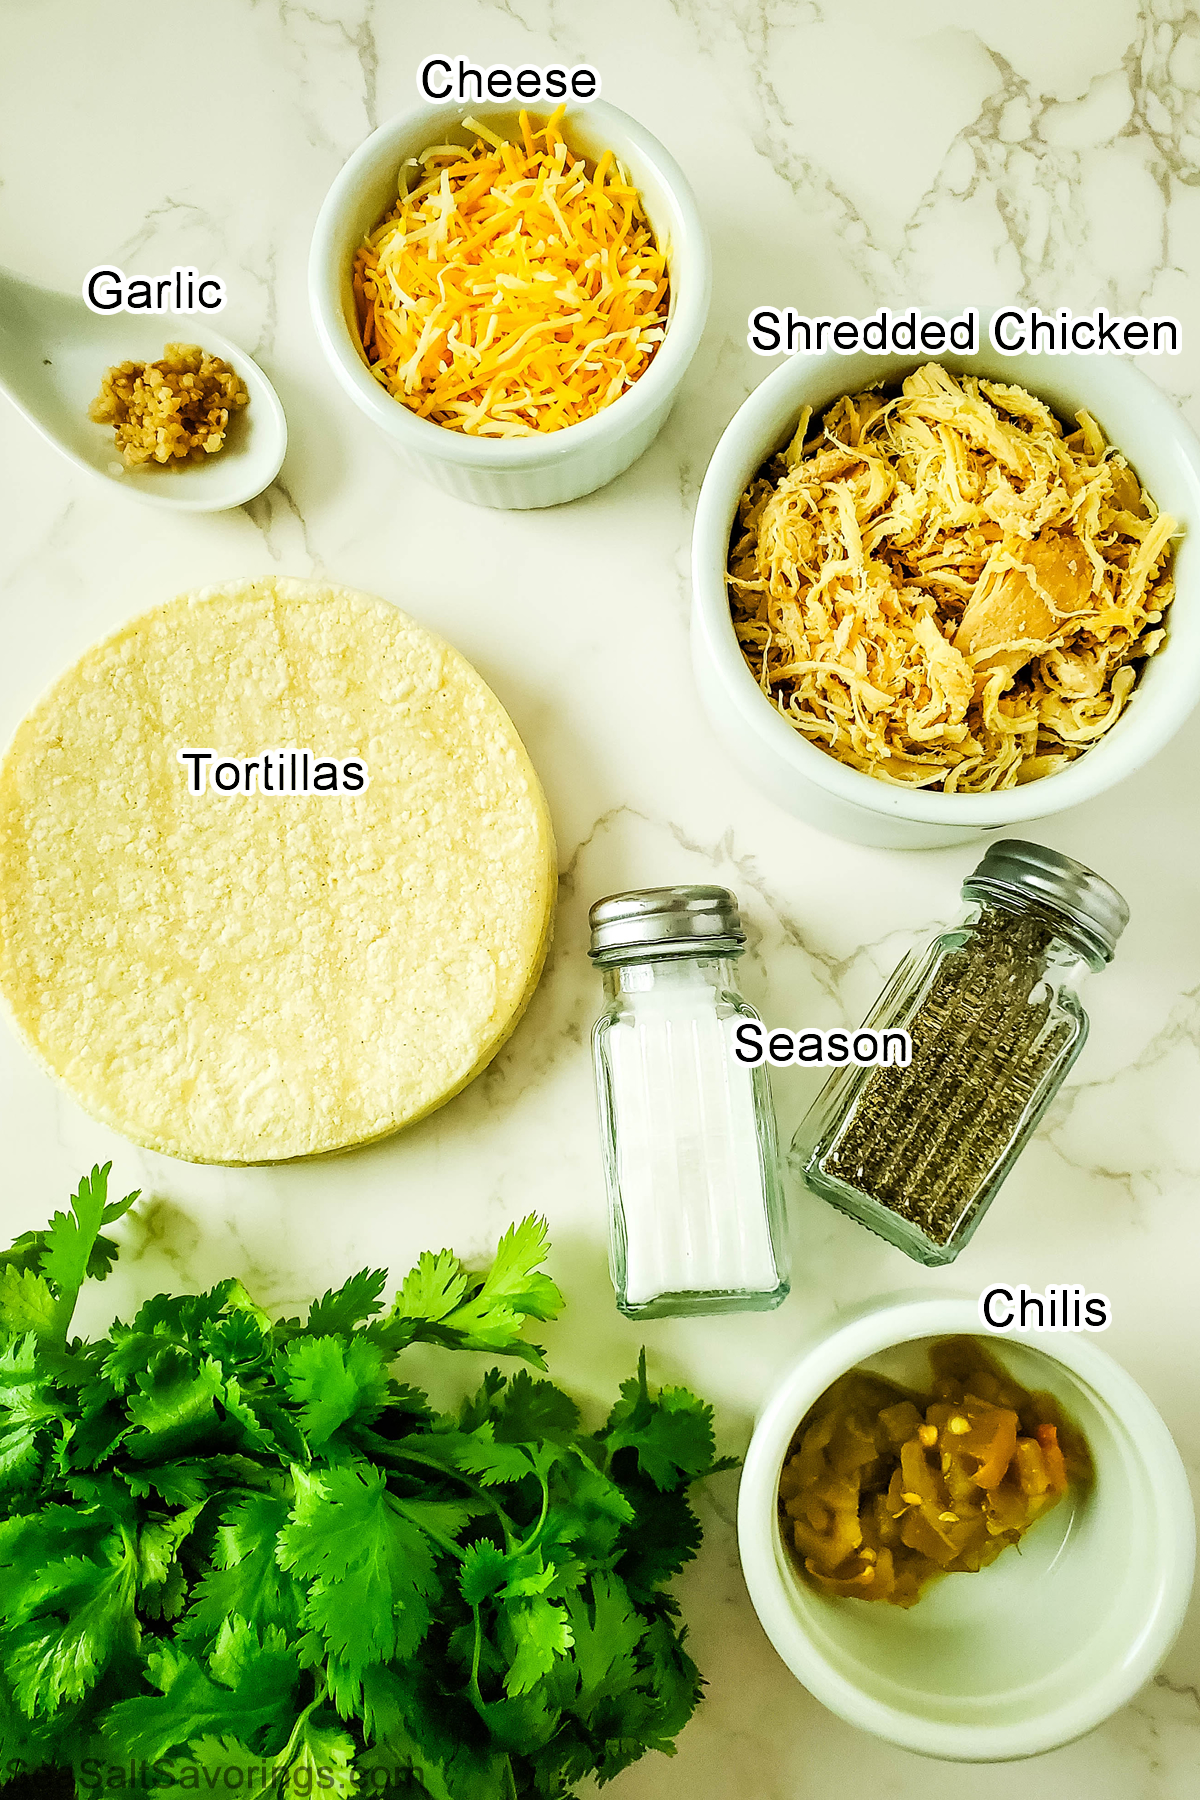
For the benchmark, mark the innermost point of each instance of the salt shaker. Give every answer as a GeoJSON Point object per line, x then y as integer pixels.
{"type": "Point", "coordinates": [696, 1214]}
{"type": "Point", "coordinates": [917, 1153]}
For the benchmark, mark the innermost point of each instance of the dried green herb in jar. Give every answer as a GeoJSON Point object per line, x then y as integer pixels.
{"type": "Point", "coordinates": [918, 1152]}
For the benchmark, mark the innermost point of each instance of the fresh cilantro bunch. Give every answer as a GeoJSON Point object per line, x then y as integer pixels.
{"type": "Point", "coordinates": [232, 1543]}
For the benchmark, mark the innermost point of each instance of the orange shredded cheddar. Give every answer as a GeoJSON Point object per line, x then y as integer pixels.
{"type": "Point", "coordinates": [514, 290]}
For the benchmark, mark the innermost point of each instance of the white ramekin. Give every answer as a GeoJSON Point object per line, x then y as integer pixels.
{"type": "Point", "coordinates": [1137, 418]}
{"type": "Point", "coordinates": [520, 472]}
{"type": "Point", "coordinates": [1041, 1647]}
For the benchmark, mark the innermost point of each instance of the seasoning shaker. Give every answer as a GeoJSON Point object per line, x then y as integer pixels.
{"type": "Point", "coordinates": [917, 1153]}
{"type": "Point", "coordinates": [696, 1210]}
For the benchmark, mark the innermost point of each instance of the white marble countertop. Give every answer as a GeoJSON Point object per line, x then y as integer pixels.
{"type": "Point", "coordinates": [844, 155]}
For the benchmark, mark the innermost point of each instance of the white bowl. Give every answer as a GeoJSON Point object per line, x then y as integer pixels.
{"type": "Point", "coordinates": [1045, 1644]}
{"type": "Point", "coordinates": [1137, 418]}
{"type": "Point", "coordinates": [512, 472]}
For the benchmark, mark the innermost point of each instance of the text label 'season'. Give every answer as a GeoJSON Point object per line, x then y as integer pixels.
{"type": "Point", "coordinates": [1003, 1307]}
{"type": "Point", "coordinates": [1011, 331]}
{"type": "Point", "coordinates": [751, 1043]}
{"type": "Point", "coordinates": [274, 772]}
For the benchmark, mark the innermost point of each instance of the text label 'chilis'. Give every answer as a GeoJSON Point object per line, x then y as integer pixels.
{"type": "Point", "coordinates": [274, 772]}
{"type": "Point", "coordinates": [1011, 332]}
{"type": "Point", "coordinates": [1003, 1307]}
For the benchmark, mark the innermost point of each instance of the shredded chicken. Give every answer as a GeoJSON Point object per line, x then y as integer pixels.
{"type": "Point", "coordinates": [942, 588]}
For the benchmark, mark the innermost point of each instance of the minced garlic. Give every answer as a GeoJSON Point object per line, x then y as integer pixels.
{"type": "Point", "coordinates": [942, 588]}
{"type": "Point", "coordinates": [171, 411]}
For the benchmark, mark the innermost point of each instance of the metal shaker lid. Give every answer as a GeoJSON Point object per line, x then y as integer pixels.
{"type": "Point", "coordinates": [1096, 913]}
{"type": "Point", "coordinates": [667, 921]}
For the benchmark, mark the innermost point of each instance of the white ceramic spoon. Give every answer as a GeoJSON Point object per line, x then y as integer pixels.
{"type": "Point", "coordinates": [53, 354]}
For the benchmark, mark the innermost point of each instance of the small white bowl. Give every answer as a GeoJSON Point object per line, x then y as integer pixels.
{"type": "Point", "coordinates": [1032, 1652]}
{"type": "Point", "coordinates": [512, 472]}
{"type": "Point", "coordinates": [1136, 416]}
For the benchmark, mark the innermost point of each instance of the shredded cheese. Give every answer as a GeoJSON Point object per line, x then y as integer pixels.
{"type": "Point", "coordinates": [513, 290]}
{"type": "Point", "coordinates": [942, 588]}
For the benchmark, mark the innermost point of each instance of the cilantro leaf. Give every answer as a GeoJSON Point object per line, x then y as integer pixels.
{"type": "Point", "coordinates": [174, 1408]}
{"type": "Point", "coordinates": [371, 1572]}
{"type": "Point", "coordinates": [484, 1570]}
{"type": "Point", "coordinates": [99, 1426]}
{"type": "Point", "coordinates": [342, 1309]}
{"type": "Point", "coordinates": [533, 1410]}
{"type": "Point", "coordinates": [512, 1291]}
{"type": "Point", "coordinates": [433, 1289]}
{"type": "Point", "coordinates": [161, 1580]}
{"type": "Point", "coordinates": [383, 1697]}
{"type": "Point", "coordinates": [529, 1576]}
{"type": "Point", "coordinates": [116, 1209]}
{"type": "Point", "coordinates": [234, 1543]}
{"type": "Point", "coordinates": [245, 1579]}
{"type": "Point", "coordinates": [245, 1692]}
{"type": "Point", "coordinates": [20, 1457]}
{"type": "Point", "coordinates": [254, 1422]}
{"type": "Point", "coordinates": [28, 1406]}
{"type": "Point", "coordinates": [203, 1765]}
{"type": "Point", "coordinates": [441, 1303]}
{"type": "Point", "coordinates": [676, 1680]}
{"type": "Point", "coordinates": [27, 1253]}
{"type": "Point", "coordinates": [174, 1483]}
{"type": "Point", "coordinates": [71, 1238]}
{"type": "Point", "coordinates": [671, 1434]}
{"type": "Point", "coordinates": [662, 1540]}
{"type": "Point", "coordinates": [26, 1304]}
{"type": "Point", "coordinates": [539, 1631]}
{"type": "Point", "coordinates": [476, 1453]}
{"type": "Point", "coordinates": [523, 1723]}
{"type": "Point", "coordinates": [320, 1758]}
{"type": "Point", "coordinates": [443, 1520]}
{"type": "Point", "coordinates": [513, 1276]}
{"type": "Point", "coordinates": [598, 1510]}
{"type": "Point", "coordinates": [49, 1662]}
{"type": "Point", "coordinates": [332, 1382]}
{"type": "Point", "coordinates": [606, 1636]}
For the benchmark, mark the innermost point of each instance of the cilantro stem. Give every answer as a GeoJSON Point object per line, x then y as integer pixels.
{"type": "Point", "coordinates": [476, 1695]}
{"type": "Point", "coordinates": [283, 1758]}
{"type": "Point", "coordinates": [400, 1452]}
{"type": "Point", "coordinates": [447, 1543]}
{"type": "Point", "coordinates": [527, 1544]}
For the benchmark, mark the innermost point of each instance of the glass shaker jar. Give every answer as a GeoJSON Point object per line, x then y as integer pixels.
{"type": "Point", "coordinates": [918, 1152]}
{"type": "Point", "coordinates": [696, 1213]}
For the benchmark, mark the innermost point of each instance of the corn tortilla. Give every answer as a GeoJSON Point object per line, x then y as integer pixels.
{"type": "Point", "coordinates": [251, 978]}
